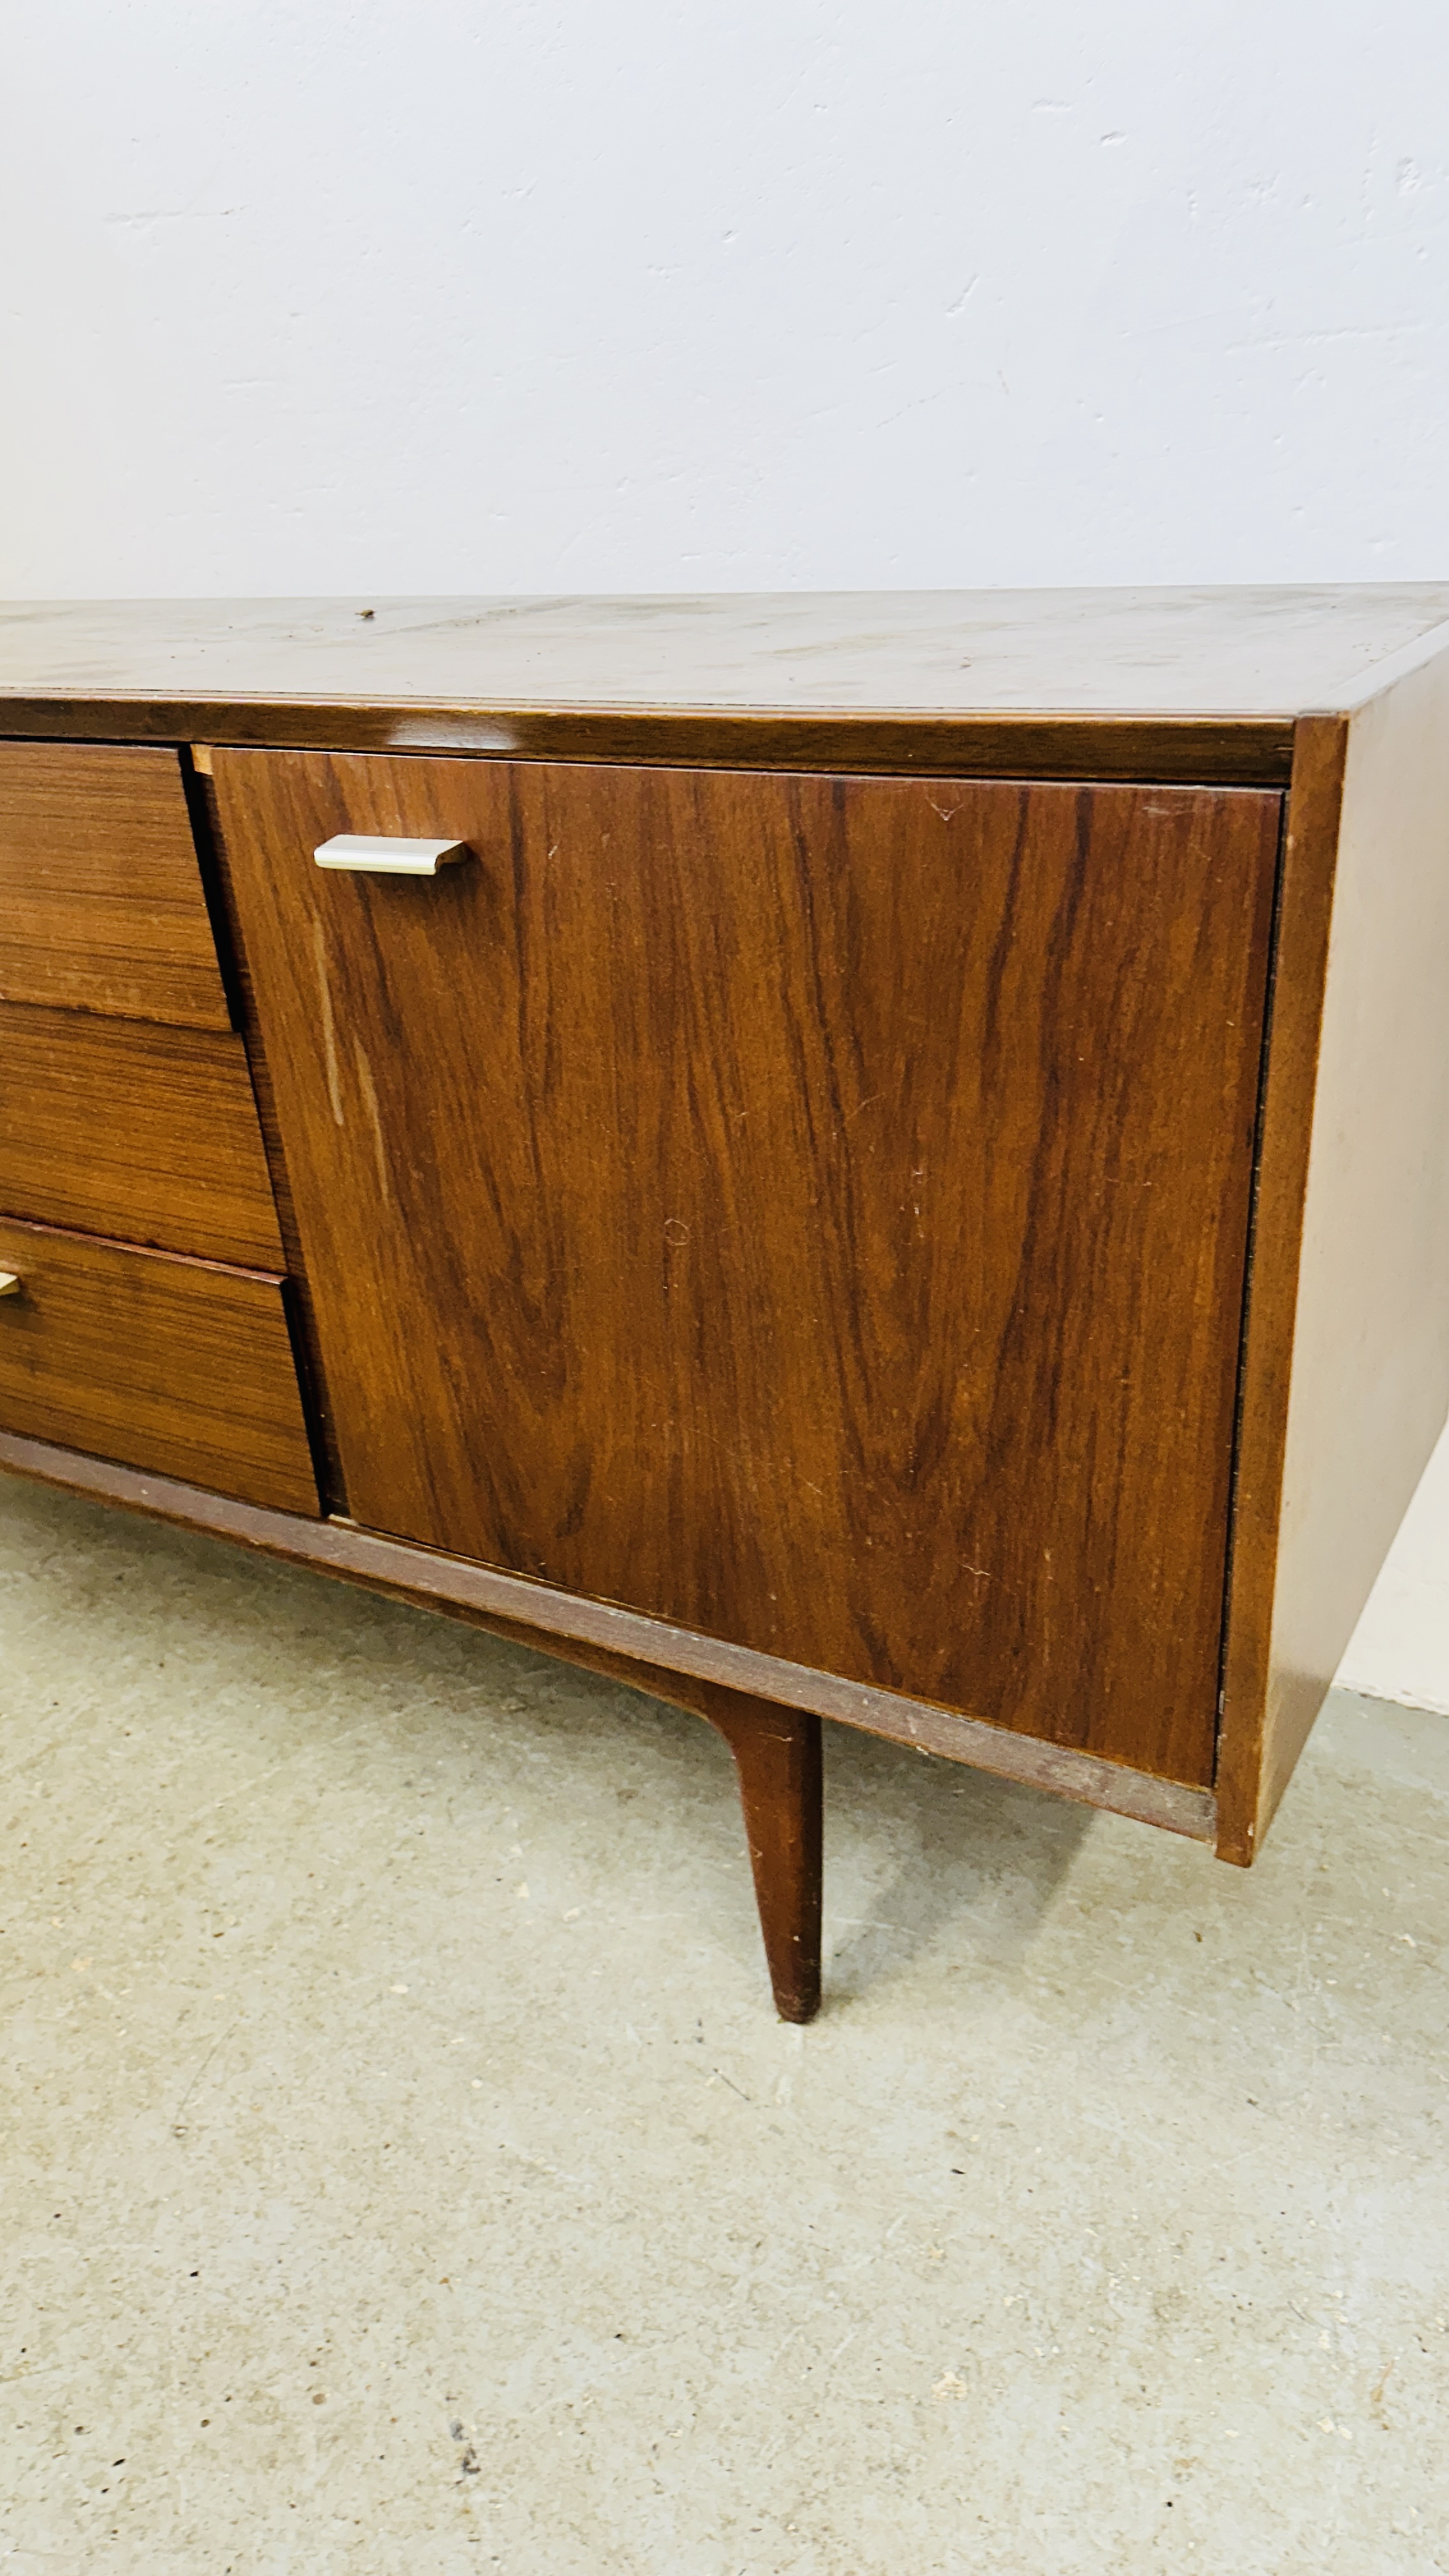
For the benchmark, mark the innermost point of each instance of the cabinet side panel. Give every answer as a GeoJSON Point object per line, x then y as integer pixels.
{"type": "Point", "coordinates": [1367, 1363]}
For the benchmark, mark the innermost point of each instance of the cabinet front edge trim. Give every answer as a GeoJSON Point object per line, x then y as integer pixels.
{"type": "Point", "coordinates": [1175, 750]}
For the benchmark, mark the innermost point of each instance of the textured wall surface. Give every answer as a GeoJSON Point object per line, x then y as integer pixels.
{"type": "Point", "coordinates": [1400, 1649]}
{"type": "Point", "coordinates": [558, 297]}
{"type": "Point", "coordinates": [537, 297]}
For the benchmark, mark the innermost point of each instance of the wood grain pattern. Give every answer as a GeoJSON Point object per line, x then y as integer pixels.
{"type": "Point", "coordinates": [130, 1129]}
{"type": "Point", "coordinates": [669, 1663]}
{"type": "Point", "coordinates": [808, 1211]}
{"type": "Point", "coordinates": [1347, 1377]}
{"type": "Point", "coordinates": [101, 900]}
{"type": "Point", "coordinates": [1223, 751]}
{"type": "Point", "coordinates": [779, 1764]}
{"type": "Point", "coordinates": [156, 1362]}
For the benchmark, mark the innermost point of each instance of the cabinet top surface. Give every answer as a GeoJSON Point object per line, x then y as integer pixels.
{"type": "Point", "coordinates": [1249, 653]}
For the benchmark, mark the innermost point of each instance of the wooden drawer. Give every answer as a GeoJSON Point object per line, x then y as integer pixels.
{"type": "Point", "coordinates": [101, 901]}
{"type": "Point", "coordinates": [129, 1129]}
{"type": "Point", "coordinates": [177, 1366]}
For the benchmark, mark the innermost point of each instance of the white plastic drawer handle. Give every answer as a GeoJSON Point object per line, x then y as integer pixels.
{"type": "Point", "coordinates": [9, 1284]}
{"type": "Point", "coordinates": [389, 858]}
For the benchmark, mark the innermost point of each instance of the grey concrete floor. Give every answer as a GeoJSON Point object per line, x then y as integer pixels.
{"type": "Point", "coordinates": [403, 2169]}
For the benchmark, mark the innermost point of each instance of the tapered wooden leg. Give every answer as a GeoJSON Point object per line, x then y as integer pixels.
{"type": "Point", "coordinates": [778, 1757]}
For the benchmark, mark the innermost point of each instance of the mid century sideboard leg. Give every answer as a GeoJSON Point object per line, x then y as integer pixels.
{"type": "Point", "coordinates": [778, 1758]}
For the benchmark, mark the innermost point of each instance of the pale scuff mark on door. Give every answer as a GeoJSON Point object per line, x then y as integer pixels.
{"type": "Point", "coordinates": [329, 1025]}
{"type": "Point", "coordinates": [369, 1093]}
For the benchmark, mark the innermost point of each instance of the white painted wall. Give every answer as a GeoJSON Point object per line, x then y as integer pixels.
{"type": "Point", "coordinates": [527, 294]}
{"type": "Point", "coordinates": [1400, 1648]}
{"type": "Point", "coordinates": [494, 295]}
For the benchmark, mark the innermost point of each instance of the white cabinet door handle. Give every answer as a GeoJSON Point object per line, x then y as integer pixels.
{"type": "Point", "coordinates": [386, 857]}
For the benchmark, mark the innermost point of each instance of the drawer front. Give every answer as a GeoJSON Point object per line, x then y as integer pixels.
{"type": "Point", "coordinates": [810, 1210]}
{"type": "Point", "coordinates": [172, 1365]}
{"type": "Point", "coordinates": [128, 1129]}
{"type": "Point", "coordinates": [101, 901]}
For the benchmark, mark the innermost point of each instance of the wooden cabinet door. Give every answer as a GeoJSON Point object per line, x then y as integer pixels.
{"type": "Point", "coordinates": [809, 1209]}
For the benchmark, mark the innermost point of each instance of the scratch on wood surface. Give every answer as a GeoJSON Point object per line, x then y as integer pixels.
{"type": "Point", "coordinates": [369, 1093]}
{"type": "Point", "coordinates": [329, 1025]}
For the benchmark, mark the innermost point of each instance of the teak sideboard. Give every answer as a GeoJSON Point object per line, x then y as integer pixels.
{"type": "Point", "coordinates": [859, 1157]}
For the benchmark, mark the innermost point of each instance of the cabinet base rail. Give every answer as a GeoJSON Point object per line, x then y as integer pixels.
{"type": "Point", "coordinates": [767, 1709]}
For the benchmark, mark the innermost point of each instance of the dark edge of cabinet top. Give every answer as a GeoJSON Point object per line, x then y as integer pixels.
{"type": "Point", "coordinates": [1172, 684]}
